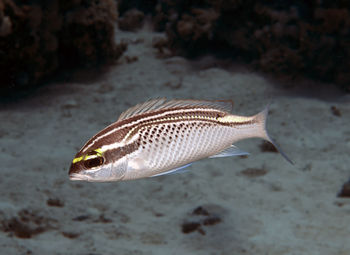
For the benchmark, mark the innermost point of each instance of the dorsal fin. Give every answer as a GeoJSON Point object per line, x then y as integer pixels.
{"type": "Point", "coordinates": [147, 106]}
{"type": "Point", "coordinates": [222, 105]}
{"type": "Point", "coordinates": [161, 103]}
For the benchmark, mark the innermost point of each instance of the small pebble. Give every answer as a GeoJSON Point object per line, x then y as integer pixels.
{"type": "Point", "coordinates": [335, 111]}
{"type": "Point", "coordinates": [54, 202]}
{"type": "Point", "coordinates": [345, 190]}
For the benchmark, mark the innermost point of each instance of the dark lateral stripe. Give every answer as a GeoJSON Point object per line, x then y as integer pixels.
{"type": "Point", "coordinates": [113, 155]}
{"type": "Point", "coordinates": [119, 136]}
{"type": "Point", "coordinates": [155, 114]}
{"type": "Point", "coordinates": [140, 126]}
{"type": "Point", "coordinates": [154, 118]}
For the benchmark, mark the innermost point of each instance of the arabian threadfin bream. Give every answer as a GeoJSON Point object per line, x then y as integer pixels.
{"type": "Point", "coordinates": [161, 137]}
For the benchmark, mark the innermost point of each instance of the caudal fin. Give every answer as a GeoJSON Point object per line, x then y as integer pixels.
{"type": "Point", "coordinates": [261, 119]}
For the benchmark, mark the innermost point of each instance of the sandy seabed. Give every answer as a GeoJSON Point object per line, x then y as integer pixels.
{"type": "Point", "coordinates": [255, 205]}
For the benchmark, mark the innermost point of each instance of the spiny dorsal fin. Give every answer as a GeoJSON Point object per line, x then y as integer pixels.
{"type": "Point", "coordinates": [147, 106]}
{"type": "Point", "coordinates": [222, 105]}
{"type": "Point", "coordinates": [161, 104]}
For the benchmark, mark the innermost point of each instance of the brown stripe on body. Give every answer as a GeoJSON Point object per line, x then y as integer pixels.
{"type": "Point", "coordinates": [182, 117]}
{"type": "Point", "coordinates": [114, 137]}
{"type": "Point", "coordinates": [176, 117]}
{"type": "Point", "coordinates": [113, 155]}
{"type": "Point", "coordinates": [120, 132]}
{"type": "Point", "coordinates": [127, 121]}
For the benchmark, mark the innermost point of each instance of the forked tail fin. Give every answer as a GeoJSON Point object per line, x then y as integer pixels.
{"type": "Point", "coordinates": [261, 119]}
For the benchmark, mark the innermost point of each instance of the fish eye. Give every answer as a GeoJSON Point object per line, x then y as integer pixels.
{"type": "Point", "coordinates": [93, 162]}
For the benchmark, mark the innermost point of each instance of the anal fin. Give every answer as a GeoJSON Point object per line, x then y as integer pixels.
{"type": "Point", "coordinates": [230, 152]}
{"type": "Point", "coordinates": [180, 169]}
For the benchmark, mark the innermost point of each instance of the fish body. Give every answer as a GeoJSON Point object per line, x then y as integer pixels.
{"type": "Point", "coordinates": [159, 137]}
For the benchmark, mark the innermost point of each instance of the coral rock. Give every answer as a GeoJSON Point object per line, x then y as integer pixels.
{"type": "Point", "coordinates": [131, 20]}
{"type": "Point", "coordinates": [40, 37]}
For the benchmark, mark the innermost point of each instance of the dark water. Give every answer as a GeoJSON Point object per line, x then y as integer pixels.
{"type": "Point", "coordinates": [258, 204]}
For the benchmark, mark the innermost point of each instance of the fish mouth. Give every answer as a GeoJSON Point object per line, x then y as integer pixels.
{"type": "Point", "coordinates": [77, 177]}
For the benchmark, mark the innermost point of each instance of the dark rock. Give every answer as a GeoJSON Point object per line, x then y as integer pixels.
{"type": "Point", "coordinates": [26, 224]}
{"type": "Point", "coordinates": [70, 235]}
{"type": "Point", "coordinates": [253, 172]}
{"type": "Point", "coordinates": [286, 38]}
{"type": "Point", "coordinates": [200, 211]}
{"type": "Point", "coordinates": [335, 111]}
{"type": "Point", "coordinates": [345, 190]}
{"type": "Point", "coordinates": [38, 38]}
{"type": "Point", "coordinates": [81, 218]}
{"type": "Point", "coordinates": [146, 6]}
{"type": "Point", "coordinates": [189, 227]}
{"type": "Point", "coordinates": [199, 219]}
{"type": "Point", "coordinates": [55, 202]}
{"type": "Point", "coordinates": [131, 20]}
{"type": "Point", "coordinates": [266, 146]}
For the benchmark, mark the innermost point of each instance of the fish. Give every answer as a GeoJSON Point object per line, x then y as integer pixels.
{"type": "Point", "coordinates": [161, 136]}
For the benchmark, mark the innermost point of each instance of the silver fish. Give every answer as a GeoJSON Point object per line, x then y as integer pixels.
{"type": "Point", "coordinates": [160, 137]}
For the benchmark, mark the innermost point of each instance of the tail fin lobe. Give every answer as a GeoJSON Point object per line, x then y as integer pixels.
{"type": "Point", "coordinates": [261, 118]}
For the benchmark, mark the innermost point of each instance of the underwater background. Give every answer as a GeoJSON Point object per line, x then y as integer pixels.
{"type": "Point", "coordinates": [70, 68]}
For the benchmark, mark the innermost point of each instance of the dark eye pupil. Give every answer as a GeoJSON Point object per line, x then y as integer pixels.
{"type": "Point", "coordinates": [94, 162]}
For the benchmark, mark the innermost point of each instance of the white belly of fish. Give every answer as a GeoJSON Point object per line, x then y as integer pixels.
{"type": "Point", "coordinates": [168, 146]}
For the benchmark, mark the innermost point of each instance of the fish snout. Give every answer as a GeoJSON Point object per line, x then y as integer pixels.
{"type": "Point", "coordinates": [76, 177]}
{"type": "Point", "coordinates": [75, 168]}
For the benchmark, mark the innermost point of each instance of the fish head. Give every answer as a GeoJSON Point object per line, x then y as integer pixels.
{"type": "Point", "coordinates": [94, 166]}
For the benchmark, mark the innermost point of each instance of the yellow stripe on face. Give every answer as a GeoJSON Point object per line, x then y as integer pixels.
{"type": "Point", "coordinates": [99, 153]}
{"type": "Point", "coordinates": [78, 159]}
